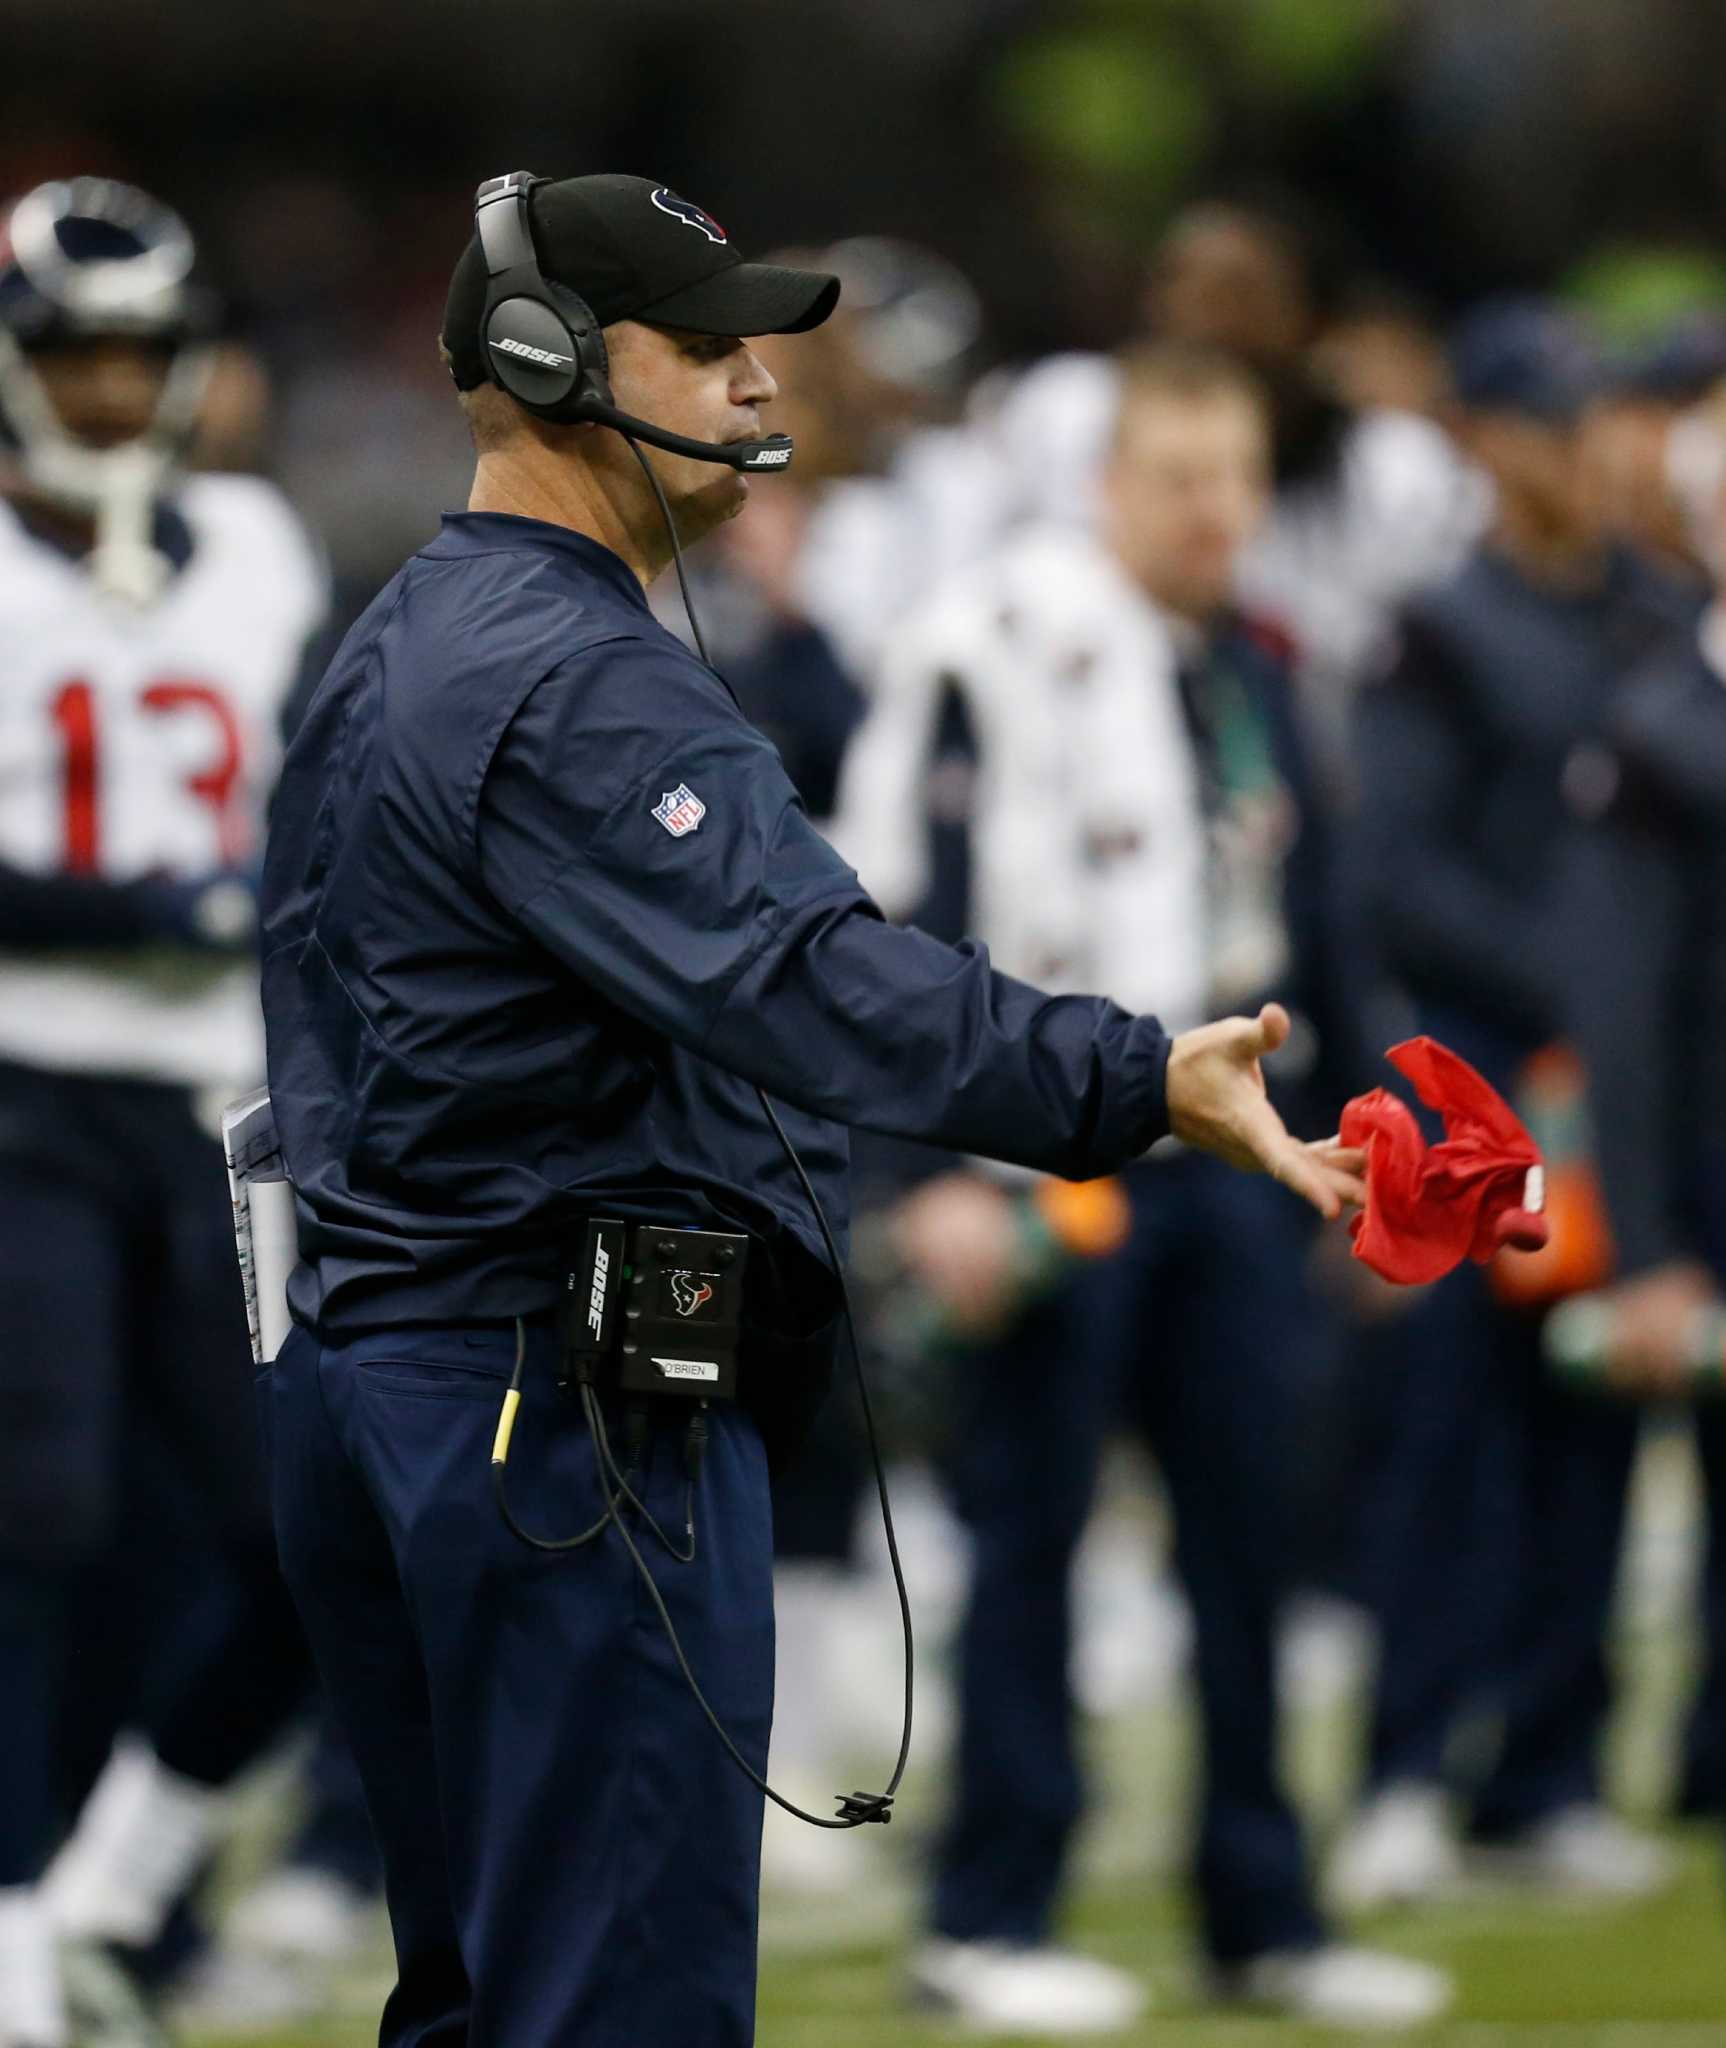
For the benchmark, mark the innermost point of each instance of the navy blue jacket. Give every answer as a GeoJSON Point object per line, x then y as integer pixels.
{"type": "Point", "coordinates": [1462, 750]}
{"type": "Point", "coordinates": [1646, 917]}
{"type": "Point", "coordinates": [789, 683]}
{"type": "Point", "coordinates": [503, 993]}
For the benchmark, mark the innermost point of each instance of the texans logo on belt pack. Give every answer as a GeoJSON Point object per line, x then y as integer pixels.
{"type": "Point", "coordinates": [689, 1291]}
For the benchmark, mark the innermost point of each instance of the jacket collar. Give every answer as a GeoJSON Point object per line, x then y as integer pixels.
{"type": "Point", "coordinates": [488, 533]}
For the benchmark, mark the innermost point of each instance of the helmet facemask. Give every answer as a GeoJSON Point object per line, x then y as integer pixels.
{"type": "Point", "coordinates": [88, 260]}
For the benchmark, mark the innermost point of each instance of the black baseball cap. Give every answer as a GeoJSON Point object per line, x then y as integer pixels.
{"type": "Point", "coordinates": [634, 250]}
{"type": "Point", "coordinates": [1526, 356]}
{"type": "Point", "coordinates": [1681, 364]}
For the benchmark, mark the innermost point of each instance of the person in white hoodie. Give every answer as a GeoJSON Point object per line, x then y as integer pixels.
{"type": "Point", "coordinates": [1369, 504]}
{"type": "Point", "coordinates": [1139, 821]}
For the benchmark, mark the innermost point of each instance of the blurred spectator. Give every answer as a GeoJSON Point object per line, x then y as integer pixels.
{"type": "Point", "coordinates": [1493, 1543]}
{"type": "Point", "coordinates": [1629, 433]}
{"type": "Point", "coordinates": [1382, 351]}
{"type": "Point", "coordinates": [1369, 507]}
{"type": "Point", "coordinates": [1147, 829]}
{"type": "Point", "coordinates": [902, 496]}
{"type": "Point", "coordinates": [781, 664]}
{"type": "Point", "coordinates": [1646, 913]}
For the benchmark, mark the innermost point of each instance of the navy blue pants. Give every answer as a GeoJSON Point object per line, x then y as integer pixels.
{"type": "Point", "coordinates": [1491, 1551]}
{"type": "Point", "coordinates": [1702, 1787]}
{"type": "Point", "coordinates": [570, 1859]}
{"type": "Point", "coordinates": [123, 1360]}
{"type": "Point", "coordinates": [1200, 1332]}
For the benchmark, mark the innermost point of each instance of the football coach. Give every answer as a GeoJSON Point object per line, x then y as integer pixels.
{"type": "Point", "coordinates": [542, 915]}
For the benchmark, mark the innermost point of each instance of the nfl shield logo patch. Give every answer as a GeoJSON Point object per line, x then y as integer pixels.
{"type": "Point", "coordinates": [680, 810]}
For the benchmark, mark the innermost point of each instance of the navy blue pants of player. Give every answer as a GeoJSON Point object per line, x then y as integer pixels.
{"type": "Point", "coordinates": [1201, 1333]}
{"type": "Point", "coordinates": [570, 1859]}
{"type": "Point", "coordinates": [1490, 1543]}
{"type": "Point", "coordinates": [134, 1535]}
{"type": "Point", "coordinates": [1702, 1785]}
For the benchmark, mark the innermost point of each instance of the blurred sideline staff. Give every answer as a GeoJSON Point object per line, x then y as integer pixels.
{"type": "Point", "coordinates": [1492, 1536]}
{"type": "Point", "coordinates": [1646, 912]}
{"type": "Point", "coordinates": [913, 477]}
{"type": "Point", "coordinates": [1145, 825]}
{"type": "Point", "coordinates": [1636, 426]}
{"type": "Point", "coordinates": [1369, 506]}
{"type": "Point", "coordinates": [151, 629]}
{"type": "Point", "coordinates": [894, 489]}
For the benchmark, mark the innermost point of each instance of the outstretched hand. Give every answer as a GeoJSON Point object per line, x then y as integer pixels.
{"type": "Point", "coordinates": [1217, 1102]}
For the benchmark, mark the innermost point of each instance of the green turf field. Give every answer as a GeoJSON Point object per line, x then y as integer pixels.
{"type": "Point", "coordinates": [1650, 1977]}
{"type": "Point", "coordinates": [1532, 1973]}
{"type": "Point", "coordinates": [1654, 1975]}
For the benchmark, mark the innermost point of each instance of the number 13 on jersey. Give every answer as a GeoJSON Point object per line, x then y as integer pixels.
{"type": "Point", "coordinates": [175, 749]}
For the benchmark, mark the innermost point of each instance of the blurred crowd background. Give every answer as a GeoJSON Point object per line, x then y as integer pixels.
{"type": "Point", "coordinates": [1459, 268]}
{"type": "Point", "coordinates": [1454, 147]}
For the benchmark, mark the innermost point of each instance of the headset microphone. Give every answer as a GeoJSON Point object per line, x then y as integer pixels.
{"type": "Point", "coordinates": [773, 452]}
{"type": "Point", "coordinates": [545, 348]}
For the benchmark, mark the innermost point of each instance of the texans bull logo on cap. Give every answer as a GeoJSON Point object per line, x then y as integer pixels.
{"type": "Point", "coordinates": [691, 216]}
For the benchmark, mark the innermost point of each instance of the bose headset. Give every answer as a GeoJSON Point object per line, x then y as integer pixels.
{"type": "Point", "coordinates": [546, 350]}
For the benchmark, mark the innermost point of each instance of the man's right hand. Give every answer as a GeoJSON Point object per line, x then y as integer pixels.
{"type": "Point", "coordinates": [1217, 1103]}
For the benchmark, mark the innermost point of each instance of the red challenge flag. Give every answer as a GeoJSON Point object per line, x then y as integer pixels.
{"type": "Point", "coordinates": [1428, 1207]}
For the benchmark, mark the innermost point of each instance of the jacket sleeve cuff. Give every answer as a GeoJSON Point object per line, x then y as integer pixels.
{"type": "Point", "coordinates": [1135, 1105]}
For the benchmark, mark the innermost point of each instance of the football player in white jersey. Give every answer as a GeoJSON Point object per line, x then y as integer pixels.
{"type": "Point", "coordinates": [152, 627]}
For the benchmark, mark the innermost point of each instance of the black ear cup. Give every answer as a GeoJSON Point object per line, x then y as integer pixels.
{"type": "Point", "coordinates": [540, 340]}
{"type": "Point", "coordinates": [547, 351]}
{"type": "Point", "coordinates": [532, 353]}
{"type": "Point", "coordinates": [593, 363]}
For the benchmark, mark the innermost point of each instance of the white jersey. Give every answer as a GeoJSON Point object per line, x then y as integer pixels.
{"type": "Point", "coordinates": [1087, 830]}
{"type": "Point", "coordinates": [876, 544]}
{"type": "Point", "coordinates": [137, 742]}
{"type": "Point", "coordinates": [1336, 558]}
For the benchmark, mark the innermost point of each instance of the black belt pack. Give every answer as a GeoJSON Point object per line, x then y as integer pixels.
{"type": "Point", "coordinates": [654, 1309]}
